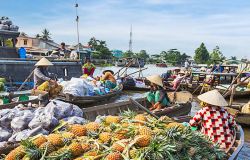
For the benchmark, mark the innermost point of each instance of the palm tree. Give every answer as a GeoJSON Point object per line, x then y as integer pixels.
{"type": "Point", "coordinates": [38, 36]}
{"type": "Point", "coordinates": [46, 34]}
{"type": "Point", "coordinates": [233, 57]}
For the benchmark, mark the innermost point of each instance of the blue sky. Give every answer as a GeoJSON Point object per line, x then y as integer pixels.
{"type": "Point", "coordinates": [157, 24]}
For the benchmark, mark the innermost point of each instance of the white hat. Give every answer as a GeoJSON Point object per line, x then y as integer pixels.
{"type": "Point", "coordinates": [156, 79]}
{"type": "Point", "coordinates": [43, 62]}
{"type": "Point", "coordinates": [214, 98]}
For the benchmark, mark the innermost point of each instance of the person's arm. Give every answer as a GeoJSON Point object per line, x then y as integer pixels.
{"type": "Point", "coordinates": [39, 74]}
{"type": "Point", "coordinates": [105, 76]}
{"type": "Point", "coordinates": [197, 118]}
{"type": "Point", "coordinates": [162, 96]}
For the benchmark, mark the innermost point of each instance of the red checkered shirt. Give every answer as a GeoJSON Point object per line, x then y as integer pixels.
{"type": "Point", "coordinates": [216, 123]}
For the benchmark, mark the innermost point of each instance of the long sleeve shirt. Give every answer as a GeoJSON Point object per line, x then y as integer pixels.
{"type": "Point", "coordinates": [40, 76]}
{"type": "Point", "coordinates": [216, 123]}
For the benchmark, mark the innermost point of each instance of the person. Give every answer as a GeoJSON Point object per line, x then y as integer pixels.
{"type": "Point", "coordinates": [73, 53]}
{"type": "Point", "coordinates": [215, 121]}
{"type": "Point", "coordinates": [157, 95]}
{"type": "Point", "coordinates": [165, 77]}
{"type": "Point", "coordinates": [41, 73]}
{"type": "Point", "coordinates": [178, 79]}
{"type": "Point", "coordinates": [109, 79]}
{"type": "Point", "coordinates": [186, 64]}
{"type": "Point", "coordinates": [63, 51]}
{"type": "Point", "coordinates": [88, 67]}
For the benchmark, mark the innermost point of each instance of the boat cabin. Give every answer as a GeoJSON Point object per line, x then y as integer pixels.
{"type": "Point", "coordinates": [8, 41]}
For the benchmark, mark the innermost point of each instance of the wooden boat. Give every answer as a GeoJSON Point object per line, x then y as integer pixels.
{"type": "Point", "coordinates": [181, 107]}
{"type": "Point", "coordinates": [241, 118]}
{"type": "Point", "coordinates": [135, 62]}
{"type": "Point", "coordinates": [161, 65]}
{"type": "Point", "coordinates": [85, 101]}
{"type": "Point", "coordinates": [35, 96]}
{"type": "Point", "coordinates": [238, 92]}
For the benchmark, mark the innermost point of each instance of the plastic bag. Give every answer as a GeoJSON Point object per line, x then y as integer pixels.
{"type": "Point", "coordinates": [5, 134]}
{"type": "Point", "coordinates": [59, 109]}
{"type": "Point", "coordinates": [20, 123]}
{"type": "Point", "coordinates": [45, 121]}
{"type": "Point", "coordinates": [75, 120]}
{"type": "Point", "coordinates": [76, 111]}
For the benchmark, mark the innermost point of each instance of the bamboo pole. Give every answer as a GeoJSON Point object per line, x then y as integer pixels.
{"type": "Point", "coordinates": [136, 72]}
{"type": "Point", "coordinates": [235, 79]}
{"type": "Point", "coordinates": [232, 95]}
{"type": "Point", "coordinates": [126, 66]}
{"type": "Point", "coordinates": [29, 76]}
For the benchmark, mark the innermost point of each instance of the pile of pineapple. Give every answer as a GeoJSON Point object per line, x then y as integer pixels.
{"type": "Point", "coordinates": [128, 136]}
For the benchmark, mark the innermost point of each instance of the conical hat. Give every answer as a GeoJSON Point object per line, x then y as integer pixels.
{"type": "Point", "coordinates": [43, 62]}
{"type": "Point", "coordinates": [156, 79]}
{"type": "Point", "coordinates": [214, 98]}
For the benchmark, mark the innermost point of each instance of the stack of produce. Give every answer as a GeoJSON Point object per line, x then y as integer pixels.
{"type": "Point", "coordinates": [128, 136]}
{"type": "Point", "coordinates": [53, 89]}
{"type": "Point", "coordinates": [2, 83]}
{"type": "Point", "coordinates": [22, 121]}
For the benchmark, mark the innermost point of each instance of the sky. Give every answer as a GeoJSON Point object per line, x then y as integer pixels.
{"type": "Point", "coordinates": [158, 25]}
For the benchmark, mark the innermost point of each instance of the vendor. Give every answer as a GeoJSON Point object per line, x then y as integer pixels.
{"type": "Point", "coordinates": [41, 73]}
{"type": "Point", "coordinates": [109, 79]}
{"type": "Point", "coordinates": [157, 95]}
{"type": "Point", "coordinates": [88, 68]}
{"type": "Point", "coordinates": [214, 120]}
{"type": "Point", "coordinates": [178, 79]}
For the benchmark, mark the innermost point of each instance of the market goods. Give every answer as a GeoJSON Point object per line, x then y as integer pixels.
{"type": "Point", "coordinates": [153, 139]}
{"type": "Point", "coordinates": [24, 121]}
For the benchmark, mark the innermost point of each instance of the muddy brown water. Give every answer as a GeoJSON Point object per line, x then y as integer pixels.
{"type": "Point", "coordinates": [152, 69]}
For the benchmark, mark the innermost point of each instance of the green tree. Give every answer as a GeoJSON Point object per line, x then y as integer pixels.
{"type": "Point", "coordinates": [38, 36]}
{"type": "Point", "coordinates": [201, 54]}
{"type": "Point", "coordinates": [233, 57]}
{"type": "Point", "coordinates": [46, 34]}
{"type": "Point", "coordinates": [128, 54]}
{"type": "Point", "coordinates": [101, 51]}
{"type": "Point", "coordinates": [142, 54]}
{"type": "Point", "coordinates": [216, 55]}
{"type": "Point", "coordinates": [172, 56]}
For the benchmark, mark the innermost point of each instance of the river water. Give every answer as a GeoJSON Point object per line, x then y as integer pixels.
{"type": "Point", "coordinates": [152, 69]}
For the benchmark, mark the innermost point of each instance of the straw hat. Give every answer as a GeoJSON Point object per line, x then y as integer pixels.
{"type": "Point", "coordinates": [156, 79]}
{"type": "Point", "coordinates": [181, 72]}
{"type": "Point", "coordinates": [43, 62]}
{"type": "Point", "coordinates": [214, 98]}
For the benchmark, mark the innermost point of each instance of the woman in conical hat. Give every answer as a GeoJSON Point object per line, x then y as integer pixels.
{"type": "Point", "coordinates": [214, 119]}
{"type": "Point", "coordinates": [41, 73]}
{"type": "Point", "coordinates": [157, 95]}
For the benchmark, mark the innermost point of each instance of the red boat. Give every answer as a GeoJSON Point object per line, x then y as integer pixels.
{"type": "Point", "coordinates": [161, 65]}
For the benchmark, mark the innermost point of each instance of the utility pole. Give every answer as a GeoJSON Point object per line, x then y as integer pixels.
{"type": "Point", "coordinates": [130, 39]}
{"type": "Point", "coordinates": [77, 26]}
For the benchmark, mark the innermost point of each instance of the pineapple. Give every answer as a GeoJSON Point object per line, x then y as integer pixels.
{"type": "Point", "coordinates": [133, 153]}
{"type": "Point", "coordinates": [56, 140]}
{"type": "Point", "coordinates": [119, 145]}
{"type": "Point", "coordinates": [49, 147]}
{"type": "Point", "coordinates": [121, 134]}
{"type": "Point", "coordinates": [68, 135]}
{"type": "Point", "coordinates": [39, 141]}
{"type": "Point", "coordinates": [175, 124]}
{"type": "Point", "coordinates": [105, 137]}
{"type": "Point", "coordinates": [78, 130]}
{"type": "Point", "coordinates": [76, 149]}
{"type": "Point", "coordinates": [112, 119]}
{"type": "Point", "coordinates": [92, 126]}
{"type": "Point", "coordinates": [140, 119]}
{"type": "Point", "coordinates": [91, 153]}
{"type": "Point", "coordinates": [114, 156]}
{"type": "Point", "coordinates": [143, 140]}
{"type": "Point", "coordinates": [17, 153]}
{"type": "Point", "coordinates": [145, 131]}
{"type": "Point", "coordinates": [86, 147]}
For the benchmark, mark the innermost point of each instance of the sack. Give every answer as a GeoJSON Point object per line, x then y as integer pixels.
{"type": "Point", "coordinates": [75, 120]}
{"type": "Point", "coordinates": [13, 28]}
{"type": "Point", "coordinates": [5, 134]}
{"type": "Point", "coordinates": [45, 121]}
{"type": "Point", "coordinates": [7, 22]}
{"type": "Point", "coordinates": [59, 109]}
{"type": "Point", "coordinates": [129, 82]}
{"type": "Point", "coordinates": [20, 123]}
{"type": "Point", "coordinates": [4, 27]}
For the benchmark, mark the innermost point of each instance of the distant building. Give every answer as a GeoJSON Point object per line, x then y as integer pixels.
{"type": "Point", "coordinates": [117, 53]}
{"type": "Point", "coordinates": [34, 45]}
